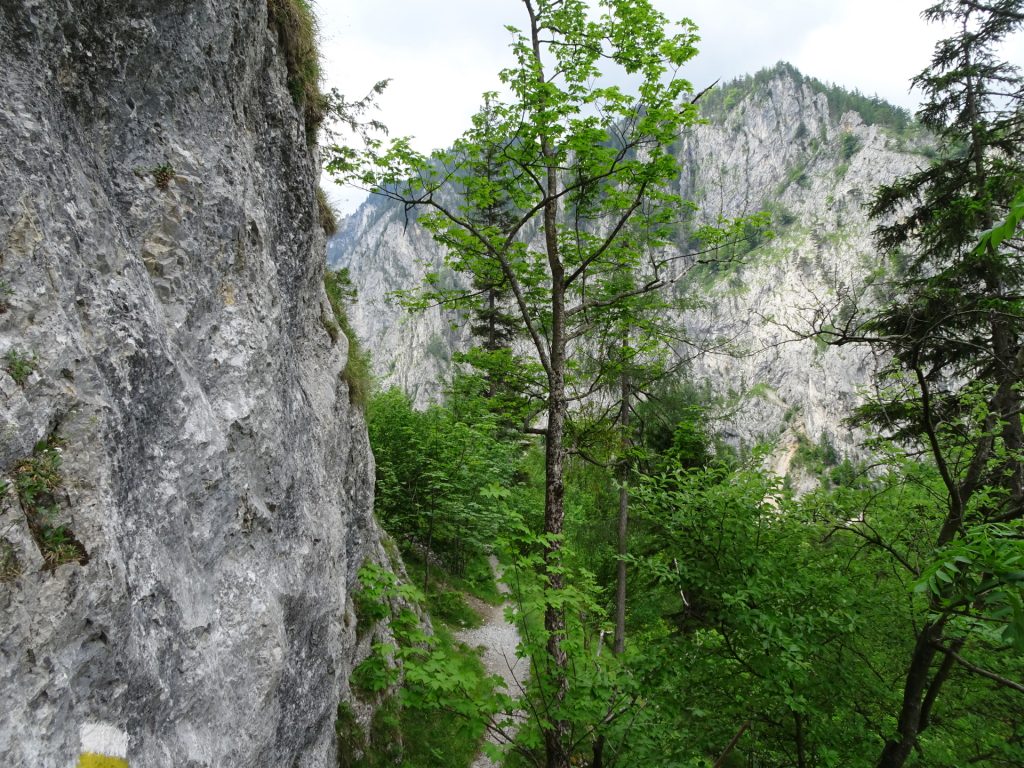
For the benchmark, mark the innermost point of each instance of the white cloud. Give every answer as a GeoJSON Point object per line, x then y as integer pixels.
{"type": "Point", "coordinates": [443, 55]}
{"type": "Point", "coordinates": [875, 46]}
{"type": "Point", "coordinates": [440, 57]}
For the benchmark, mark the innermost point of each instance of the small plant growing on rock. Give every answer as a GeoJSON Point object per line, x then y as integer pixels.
{"type": "Point", "coordinates": [295, 25]}
{"type": "Point", "coordinates": [162, 175]}
{"type": "Point", "coordinates": [37, 478]}
{"type": "Point", "coordinates": [59, 545]}
{"type": "Point", "coordinates": [328, 216]}
{"type": "Point", "coordinates": [357, 370]}
{"type": "Point", "coordinates": [376, 673]}
{"type": "Point", "coordinates": [10, 567]}
{"type": "Point", "coordinates": [37, 481]}
{"type": "Point", "coordinates": [331, 327]}
{"type": "Point", "coordinates": [19, 365]}
{"type": "Point", "coordinates": [5, 291]}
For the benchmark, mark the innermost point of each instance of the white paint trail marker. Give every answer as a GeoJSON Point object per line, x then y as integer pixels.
{"type": "Point", "coordinates": [103, 746]}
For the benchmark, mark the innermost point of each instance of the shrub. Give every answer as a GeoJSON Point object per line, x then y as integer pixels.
{"type": "Point", "coordinates": [370, 607]}
{"type": "Point", "coordinates": [351, 739]}
{"type": "Point", "coordinates": [163, 174]}
{"type": "Point", "coordinates": [451, 607]}
{"type": "Point", "coordinates": [375, 674]}
{"type": "Point", "coordinates": [849, 143]}
{"type": "Point", "coordinates": [37, 480]}
{"type": "Point", "coordinates": [59, 545]}
{"type": "Point", "coordinates": [328, 216]}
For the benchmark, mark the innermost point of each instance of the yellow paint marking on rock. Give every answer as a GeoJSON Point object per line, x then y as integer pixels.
{"type": "Point", "coordinates": [94, 760]}
{"type": "Point", "coordinates": [102, 745]}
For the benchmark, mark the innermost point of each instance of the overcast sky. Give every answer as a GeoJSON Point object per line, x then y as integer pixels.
{"type": "Point", "coordinates": [442, 54]}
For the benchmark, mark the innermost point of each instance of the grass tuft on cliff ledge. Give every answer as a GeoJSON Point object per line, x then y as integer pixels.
{"type": "Point", "coordinates": [357, 369]}
{"type": "Point", "coordinates": [296, 29]}
{"type": "Point", "coordinates": [328, 216]}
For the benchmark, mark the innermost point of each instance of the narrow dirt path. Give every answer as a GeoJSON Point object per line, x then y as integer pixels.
{"type": "Point", "coordinates": [499, 639]}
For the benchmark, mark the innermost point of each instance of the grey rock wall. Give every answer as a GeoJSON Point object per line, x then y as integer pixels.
{"type": "Point", "coordinates": [213, 468]}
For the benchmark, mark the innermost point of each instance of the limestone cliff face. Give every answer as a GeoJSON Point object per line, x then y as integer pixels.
{"type": "Point", "coordinates": [774, 143]}
{"type": "Point", "coordinates": [160, 329]}
{"type": "Point", "coordinates": [385, 251]}
{"type": "Point", "coordinates": [781, 148]}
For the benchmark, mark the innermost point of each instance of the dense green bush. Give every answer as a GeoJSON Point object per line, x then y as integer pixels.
{"type": "Point", "coordinates": [436, 718]}
{"type": "Point", "coordinates": [441, 482]}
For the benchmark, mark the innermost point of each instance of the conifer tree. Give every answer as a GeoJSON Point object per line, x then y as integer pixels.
{"type": "Point", "coordinates": [953, 328]}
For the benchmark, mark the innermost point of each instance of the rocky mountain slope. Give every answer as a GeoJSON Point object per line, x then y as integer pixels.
{"type": "Point", "coordinates": [778, 142]}
{"type": "Point", "coordinates": [187, 488]}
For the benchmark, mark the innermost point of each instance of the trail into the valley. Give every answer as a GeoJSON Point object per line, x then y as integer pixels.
{"type": "Point", "coordinates": [499, 638]}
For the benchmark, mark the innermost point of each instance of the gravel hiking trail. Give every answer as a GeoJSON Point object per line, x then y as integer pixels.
{"type": "Point", "coordinates": [499, 638]}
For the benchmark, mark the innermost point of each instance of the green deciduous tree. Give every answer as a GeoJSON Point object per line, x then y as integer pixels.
{"type": "Point", "coordinates": [582, 170]}
{"type": "Point", "coordinates": [795, 616]}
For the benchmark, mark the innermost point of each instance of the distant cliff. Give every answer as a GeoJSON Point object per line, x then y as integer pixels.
{"type": "Point", "coordinates": [777, 141]}
{"type": "Point", "coordinates": [187, 488]}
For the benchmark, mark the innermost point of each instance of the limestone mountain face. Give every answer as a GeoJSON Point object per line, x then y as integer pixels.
{"type": "Point", "coordinates": [188, 489]}
{"type": "Point", "coordinates": [774, 142]}
{"type": "Point", "coordinates": [385, 252]}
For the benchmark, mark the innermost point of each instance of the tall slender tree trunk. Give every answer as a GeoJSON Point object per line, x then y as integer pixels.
{"type": "Point", "coordinates": [915, 688]}
{"type": "Point", "coordinates": [427, 555]}
{"type": "Point", "coordinates": [492, 339]}
{"type": "Point", "coordinates": [619, 645]}
{"type": "Point", "coordinates": [556, 734]}
{"type": "Point", "coordinates": [623, 526]}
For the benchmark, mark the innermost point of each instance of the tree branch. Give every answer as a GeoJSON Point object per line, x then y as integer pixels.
{"type": "Point", "coordinates": [999, 679]}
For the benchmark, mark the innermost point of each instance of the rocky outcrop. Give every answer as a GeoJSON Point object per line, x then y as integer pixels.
{"type": "Point", "coordinates": [385, 251]}
{"type": "Point", "coordinates": [771, 143]}
{"type": "Point", "coordinates": [188, 487]}
{"type": "Point", "coordinates": [782, 149]}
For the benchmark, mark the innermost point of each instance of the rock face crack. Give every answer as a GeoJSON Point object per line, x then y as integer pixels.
{"type": "Point", "coordinates": [161, 265]}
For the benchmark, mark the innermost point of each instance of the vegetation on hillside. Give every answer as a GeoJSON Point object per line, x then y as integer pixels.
{"type": "Point", "coordinates": [296, 28]}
